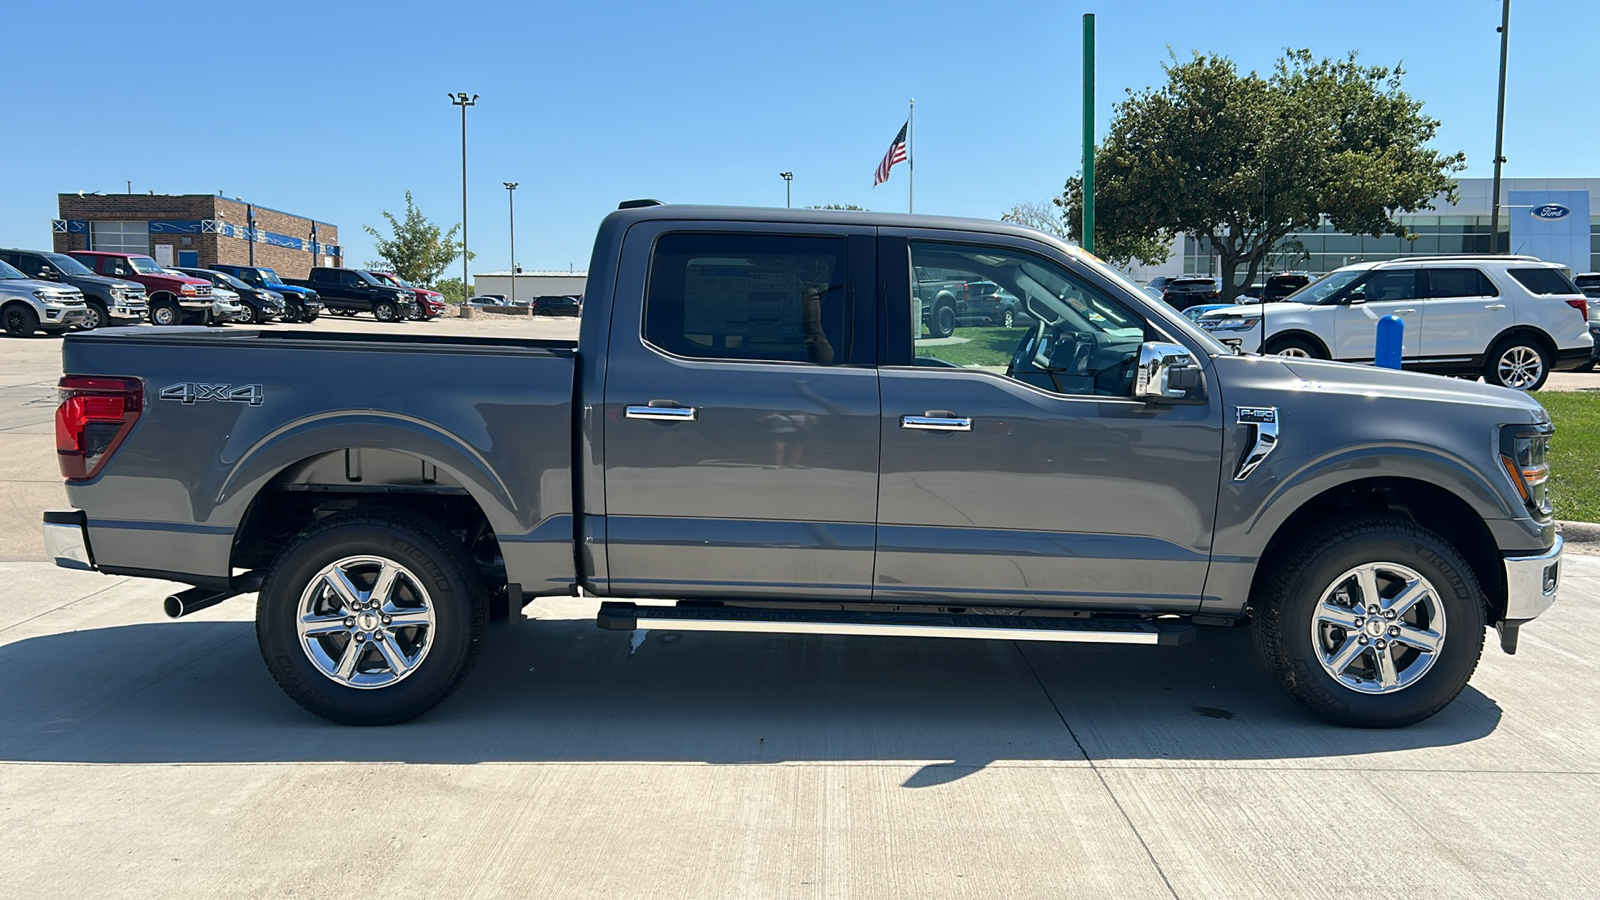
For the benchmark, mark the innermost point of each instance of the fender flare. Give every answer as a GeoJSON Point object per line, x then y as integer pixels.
{"type": "Point", "coordinates": [256, 465]}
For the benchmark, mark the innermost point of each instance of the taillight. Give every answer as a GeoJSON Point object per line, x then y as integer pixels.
{"type": "Point", "coordinates": [966, 292]}
{"type": "Point", "coordinates": [94, 416]}
{"type": "Point", "coordinates": [1582, 306]}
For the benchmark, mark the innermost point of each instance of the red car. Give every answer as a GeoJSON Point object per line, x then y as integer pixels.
{"type": "Point", "coordinates": [174, 298]}
{"type": "Point", "coordinates": [429, 303]}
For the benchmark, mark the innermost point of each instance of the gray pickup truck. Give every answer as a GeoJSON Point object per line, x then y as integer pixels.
{"type": "Point", "coordinates": [748, 437]}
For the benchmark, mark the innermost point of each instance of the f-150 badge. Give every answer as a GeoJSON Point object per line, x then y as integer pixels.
{"type": "Point", "coordinates": [191, 392]}
{"type": "Point", "coordinates": [1263, 422]}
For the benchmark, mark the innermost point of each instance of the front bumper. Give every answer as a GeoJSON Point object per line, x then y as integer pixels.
{"type": "Point", "coordinates": [66, 539]}
{"type": "Point", "coordinates": [64, 315]}
{"type": "Point", "coordinates": [131, 310]}
{"type": "Point", "coordinates": [1531, 586]}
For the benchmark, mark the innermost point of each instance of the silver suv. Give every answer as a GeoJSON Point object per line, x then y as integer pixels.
{"type": "Point", "coordinates": [28, 305]}
{"type": "Point", "coordinates": [1511, 319]}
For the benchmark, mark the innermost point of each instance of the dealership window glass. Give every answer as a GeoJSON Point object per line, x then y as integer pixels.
{"type": "Point", "coordinates": [1544, 281]}
{"type": "Point", "coordinates": [1446, 283]}
{"type": "Point", "coordinates": [761, 298]}
{"type": "Point", "coordinates": [120, 237]}
{"type": "Point", "coordinates": [1066, 336]}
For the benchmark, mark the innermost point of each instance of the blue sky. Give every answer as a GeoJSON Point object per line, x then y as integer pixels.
{"type": "Point", "coordinates": [333, 110]}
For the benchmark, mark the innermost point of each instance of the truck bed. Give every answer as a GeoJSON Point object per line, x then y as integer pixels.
{"type": "Point", "coordinates": [231, 419]}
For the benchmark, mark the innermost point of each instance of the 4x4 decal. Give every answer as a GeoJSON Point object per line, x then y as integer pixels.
{"type": "Point", "coordinates": [192, 392]}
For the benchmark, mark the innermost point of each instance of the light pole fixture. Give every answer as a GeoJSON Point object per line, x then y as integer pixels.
{"type": "Point", "coordinates": [1500, 127]}
{"type": "Point", "coordinates": [460, 99]}
{"type": "Point", "coordinates": [788, 180]}
{"type": "Point", "coordinates": [511, 200]}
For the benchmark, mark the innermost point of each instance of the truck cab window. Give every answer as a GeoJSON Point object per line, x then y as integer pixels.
{"type": "Point", "coordinates": [762, 298]}
{"type": "Point", "coordinates": [1020, 316]}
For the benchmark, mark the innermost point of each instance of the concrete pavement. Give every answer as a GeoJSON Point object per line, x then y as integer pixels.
{"type": "Point", "coordinates": [145, 757]}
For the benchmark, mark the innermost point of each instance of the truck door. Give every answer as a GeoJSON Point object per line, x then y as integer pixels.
{"type": "Point", "coordinates": [741, 413]}
{"type": "Point", "coordinates": [1016, 467]}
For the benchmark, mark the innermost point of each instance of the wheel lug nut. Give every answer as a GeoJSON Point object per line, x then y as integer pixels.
{"type": "Point", "coordinates": [1373, 610]}
{"type": "Point", "coordinates": [1360, 621]}
{"type": "Point", "coordinates": [362, 636]}
{"type": "Point", "coordinates": [1382, 643]}
{"type": "Point", "coordinates": [377, 635]}
{"type": "Point", "coordinates": [1393, 631]}
{"type": "Point", "coordinates": [1362, 639]}
{"type": "Point", "coordinates": [349, 621]}
{"type": "Point", "coordinates": [387, 620]}
{"type": "Point", "coordinates": [1389, 615]}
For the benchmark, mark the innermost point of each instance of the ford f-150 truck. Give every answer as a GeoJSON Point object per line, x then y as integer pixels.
{"type": "Point", "coordinates": [747, 436]}
{"type": "Point", "coordinates": [347, 292]}
{"type": "Point", "coordinates": [173, 299]}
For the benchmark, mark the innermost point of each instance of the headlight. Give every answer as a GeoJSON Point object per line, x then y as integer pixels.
{"type": "Point", "coordinates": [1230, 323]}
{"type": "Point", "coordinates": [1524, 452]}
{"type": "Point", "coordinates": [187, 290]}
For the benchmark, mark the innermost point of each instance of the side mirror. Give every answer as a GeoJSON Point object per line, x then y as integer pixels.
{"type": "Point", "coordinates": [1166, 372]}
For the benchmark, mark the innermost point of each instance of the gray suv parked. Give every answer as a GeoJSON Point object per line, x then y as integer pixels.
{"type": "Point", "coordinates": [110, 301]}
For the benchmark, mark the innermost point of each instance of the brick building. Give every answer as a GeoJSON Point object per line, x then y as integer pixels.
{"type": "Point", "coordinates": [196, 230]}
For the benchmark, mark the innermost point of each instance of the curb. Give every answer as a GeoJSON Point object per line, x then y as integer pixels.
{"type": "Point", "coordinates": [1581, 534]}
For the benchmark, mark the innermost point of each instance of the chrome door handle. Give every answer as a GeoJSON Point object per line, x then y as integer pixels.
{"type": "Point", "coordinates": [1495, 306]}
{"type": "Point", "coordinates": [663, 413]}
{"type": "Point", "coordinates": [936, 423]}
{"type": "Point", "coordinates": [1401, 312]}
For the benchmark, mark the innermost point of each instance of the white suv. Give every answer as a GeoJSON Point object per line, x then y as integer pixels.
{"type": "Point", "coordinates": [1511, 319]}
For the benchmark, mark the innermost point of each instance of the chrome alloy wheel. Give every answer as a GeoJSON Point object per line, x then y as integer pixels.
{"type": "Point", "coordinates": [1294, 353]}
{"type": "Point", "coordinates": [1520, 367]}
{"type": "Point", "coordinates": [1378, 628]}
{"type": "Point", "coordinates": [365, 622]}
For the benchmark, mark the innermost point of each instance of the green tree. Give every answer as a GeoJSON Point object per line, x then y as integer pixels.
{"type": "Point", "coordinates": [450, 288]}
{"type": "Point", "coordinates": [418, 250]}
{"type": "Point", "coordinates": [1047, 216]}
{"type": "Point", "coordinates": [1244, 160]}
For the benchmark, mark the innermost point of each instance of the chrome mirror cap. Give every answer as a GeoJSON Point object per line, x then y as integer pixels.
{"type": "Point", "coordinates": [1166, 372]}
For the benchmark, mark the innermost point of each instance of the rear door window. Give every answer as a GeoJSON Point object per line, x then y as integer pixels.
{"type": "Point", "coordinates": [1465, 282]}
{"type": "Point", "coordinates": [1544, 281]}
{"type": "Point", "coordinates": [761, 298]}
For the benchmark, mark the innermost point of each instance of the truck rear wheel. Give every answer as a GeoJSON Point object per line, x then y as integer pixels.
{"type": "Point", "coordinates": [371, 617]}
{"type": "Point", "coordinates": [942, 323]}
{"type": "Point", "coordinates": [1370, 621]}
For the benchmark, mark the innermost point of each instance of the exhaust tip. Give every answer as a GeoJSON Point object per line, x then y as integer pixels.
{"type": "Point", "coordinates": [173, 606]}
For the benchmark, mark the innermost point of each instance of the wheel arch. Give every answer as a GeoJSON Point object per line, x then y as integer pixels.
{"type": "Point", "coordinates": [1301, 334]}
{"type": "Point", "coordinates": [1425, 502]}
{"type": "Point", "coordinates": [1532, 331]}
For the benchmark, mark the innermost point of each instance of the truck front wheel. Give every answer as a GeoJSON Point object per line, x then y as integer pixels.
{"type": "Point", "coordinates": [1370, 621]}
{"type": "Point", "coordinates": [165, 312]}
{"type": "Point", "coordinates": [384, 311]}
{"type": "Point", "coordinates": [371, 617]}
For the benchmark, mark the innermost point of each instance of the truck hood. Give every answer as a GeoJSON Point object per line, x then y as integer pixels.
{"type": "Point", "coordinates": [105, 280]}
{"type": "Point", "coordinates": [1372, 381]}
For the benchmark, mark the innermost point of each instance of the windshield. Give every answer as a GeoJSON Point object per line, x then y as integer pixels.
{"type": "Point", "coordinates": [1318, 292]}
{"type": "Point", "coordinates": [231, 281]}
{"type": "Point", "coordinates": [144, 265]}
{"type": "Point", "coordinates": [268, 276]}
{"type": "Point", "coordinates": [1212, 345]}
{"type": "Point", "coordinates": [9, 274]}
{"type": "Point", "coordinates": [400, 281]}
{"type": "Point", "coordinates": [369, 278]}
{"type": "Point", "coordinates": [67, 265]}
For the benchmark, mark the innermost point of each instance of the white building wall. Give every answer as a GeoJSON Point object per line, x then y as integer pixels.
{"type": "Point", "coordinates": [530, 284]}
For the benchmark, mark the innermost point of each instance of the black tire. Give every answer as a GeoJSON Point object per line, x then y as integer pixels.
{"type": "Point", "coordinates": [1295, 347]}
{"type": "Point", "coordinates": [384, 311]}
{"type": "Point", "coordinates": [165, 312]}
{"type": "Point", "coordinates": [20, 320]}
{"type": "Point", "coordinates": [434, 559]}
{"type": "Point", "coordinates": [1289, 593]}
{"type": "Point", "coordinates": [942, 321]}
{"type": "Point", "coordinates": [99, 317]}
{"type": "Point", "coordinates": [1520, 362]}
{"type": "Point", "coordinates": [1008, 319]}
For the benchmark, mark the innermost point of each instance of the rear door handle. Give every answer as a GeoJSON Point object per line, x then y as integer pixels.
{"type": "Point", "coordinates": [936, 423]}
{"type": "Point", "coordinates": [1495, 306]}
{"type": "Point", "coordinates": [663, 413]}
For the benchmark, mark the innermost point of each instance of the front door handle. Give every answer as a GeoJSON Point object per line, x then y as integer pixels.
{"type": "Point", "coordinates": [936, 423]}
{"type": "Point", "coordinates": [663, 413]}
{"type": "Point", "coordinates": [1401, 312]}
{"type": "Point", "coordinates": [1495, 306]}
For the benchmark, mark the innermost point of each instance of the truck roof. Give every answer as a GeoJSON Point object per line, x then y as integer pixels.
{"type": "Point", "coordinates": [692, 212]}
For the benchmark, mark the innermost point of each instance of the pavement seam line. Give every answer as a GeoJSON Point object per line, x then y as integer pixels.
{"type": "Point", "coordinates": [57, 609]}
{"type": "Point", "coordinates": [1097, 773]}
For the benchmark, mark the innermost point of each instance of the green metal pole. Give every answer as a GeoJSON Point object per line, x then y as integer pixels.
{"type": "Point", "coordinates": [1088, 132]}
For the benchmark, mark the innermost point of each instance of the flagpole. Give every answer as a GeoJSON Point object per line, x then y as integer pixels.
{"type": "Point", "coordinates": [911, 161]}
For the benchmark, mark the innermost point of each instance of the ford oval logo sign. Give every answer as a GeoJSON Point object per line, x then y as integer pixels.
{"type": "Point", "coordinates": [1550, 211]}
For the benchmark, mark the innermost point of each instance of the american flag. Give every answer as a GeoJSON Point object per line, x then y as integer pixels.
{"type": "Point", "coordinates": [896, 154]}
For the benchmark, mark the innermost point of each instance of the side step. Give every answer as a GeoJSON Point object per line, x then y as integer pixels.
{"type": "Point", "coordinates": [619, 616]}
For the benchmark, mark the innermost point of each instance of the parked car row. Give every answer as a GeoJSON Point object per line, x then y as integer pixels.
{"type": "Point", "coordinates": [1511, 319]}
{"type": "Point", "coordinates": [87, 289]}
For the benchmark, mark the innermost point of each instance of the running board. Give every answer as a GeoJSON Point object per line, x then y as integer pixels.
{"type": "Point", "coordinates": [617, 616]}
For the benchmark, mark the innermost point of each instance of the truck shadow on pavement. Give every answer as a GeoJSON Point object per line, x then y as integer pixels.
{"type": "Point", "coordinates": [564, 691]}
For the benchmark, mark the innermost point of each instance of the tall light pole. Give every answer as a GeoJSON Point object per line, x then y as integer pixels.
{"type": "Point", "coordinates": [1499, 127]}
{"type": "Point", "coordinates": [461, 100]}
{"type": "Point", "coordinates": [511, 199]}
{"type": "Point", "coordinates": [788, 179]}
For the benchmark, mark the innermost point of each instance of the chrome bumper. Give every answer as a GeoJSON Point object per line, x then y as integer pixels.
{"type": "Point", "coordinates": [66, 539]}
{"type": "Point", "coordinates": [1531, 585]}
